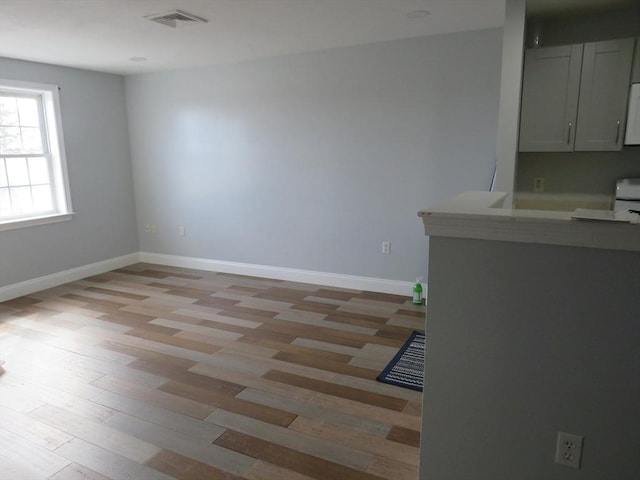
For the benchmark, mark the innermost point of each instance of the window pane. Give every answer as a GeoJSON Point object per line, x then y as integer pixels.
{"type": "Point", "coordinates": [29, 180]}
{"type": "Point", "coordinates": [31, 140]}
{"type": "Point", "coordinates": [21, 200]}
{"type": "Point", "coordinates": [17, 171]}
{"type": "Point", "coordinates": [5, 203]}
{"type": "Point", "coordinates": [10, 140]}
{"type": "Point", "coordinates": [3, 174]}
{"type": "Point", "coordinates": [8, 111]}
{"type": "Point", "coordinates": [38, 170]}
{"type": "Point", "coordinates": [42, 198]}
{"type": "Point", "coordinates": [28, 110]}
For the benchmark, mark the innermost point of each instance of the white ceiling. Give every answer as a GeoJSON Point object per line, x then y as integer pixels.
{"type": "Point", "coordinates": [104, 34]}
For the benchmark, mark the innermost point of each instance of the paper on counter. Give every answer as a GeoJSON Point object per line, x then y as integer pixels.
{"type": "Point", "coordinates": [605, 215]}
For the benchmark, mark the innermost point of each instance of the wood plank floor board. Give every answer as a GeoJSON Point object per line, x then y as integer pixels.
{"type": "Point", "coordinates": [385, 467]}
{"type": "Point", "coordinates": [365, 410]}
{"type": "Point", "coordinates": [41, 461]}
{"type": "Point", "coordinates": [19, 468]}
{"type": "Point", "coordinates": [261, 362]}
{"type": "Point", "coordinates": [180, 423]}
{"type": "Point", "coordinates": [196, 328]}
{"type": "Point", "coordinates": [378, 387]}
{"type": "Point", "coordinates": [350, 393]}
{"type": "Point", "coordinates": [311, 359]}
{"type": "Point", "coordinates": [267, 471]}
{"type": "Point", "coordinates": [182, 467]}
{"type": "Point", "coordinates": [46, 394]}
{"type": "Point", "coordinates": [156, 372]}
{"type": "Point", "coordinates": [227, 359]}
{"type": "Point", "coordinates": [207, 452]}
{"type": "Point", "coordinates": [215, 316]}
{"type": "Point", "coordinates": [148, 344]}
{"type": "Point", "coordinates": [38, 389]}
{"type": "Point", "coordinates": [148, 334]}
{"type": "Point", "coordinates": [32, 430]}
{"type": "Point", "coordinates": [366, 443]}
{"type": "Point", "coordinates": [405, 436]}
{"type": "Point", "coordinates": [175, 403]}
{"type": "Point", "coordinates": [77, 472]}
{"type": "Point", "coordinates": [310, 409]}
{"type": "Point", "coordinates": [184, 376]}
{"type": "Point", "coordinates": [253, 379]}
{"type": "Point", "coordinates": [295, 439]}
{"type": "Point", "coordinates": [96, 433]}
{"type": "Point", "coordinates": [230, 346]}
{"type": "Point", "coordinates": [326, 347]}
{"type": "Point", "coordinates": [327, 321]}
{"type": "Point", "coordinates": [289, 458]}
{"type": "Point", "coordinates": [233, 404]}
{"type": "Point", "coordinates": [106, 463]}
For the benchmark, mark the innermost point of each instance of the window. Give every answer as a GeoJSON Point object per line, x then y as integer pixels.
{"type": "Point", "coordinates": [33, 178]}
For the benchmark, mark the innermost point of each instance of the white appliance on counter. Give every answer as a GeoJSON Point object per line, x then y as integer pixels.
{"type": "Point", "coordinates": [628, 195]}
{"type": "Point", "coordinates": [632, 136]}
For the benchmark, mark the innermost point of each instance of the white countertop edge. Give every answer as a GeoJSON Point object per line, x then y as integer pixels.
{"type": "Point", "coordinates": [479, 215]}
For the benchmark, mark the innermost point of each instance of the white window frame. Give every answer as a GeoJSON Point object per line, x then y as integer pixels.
{"type": "Point", "coordinates": [53, 142]}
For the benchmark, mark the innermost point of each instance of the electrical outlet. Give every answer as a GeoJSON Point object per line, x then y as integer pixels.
{"type": "Point", "coordinates": [538, 184]}
{"type": "Point", "coordinates": [386, 247]}
{"type": "Point", "coordinates": [569, 449]}
{"type": "Point", "coordinates": [147, 228]}
{"type": "Point", "coordinates": [181, 231]}
{"type": "Point", "coordinates": [154, 229]}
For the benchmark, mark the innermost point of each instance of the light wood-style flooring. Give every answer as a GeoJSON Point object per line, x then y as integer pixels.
{"type": "Point", "coordinates": [154, 372]}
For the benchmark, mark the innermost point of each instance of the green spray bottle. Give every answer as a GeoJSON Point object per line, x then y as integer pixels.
{"type": "Point", "coordinates": [417, 292]}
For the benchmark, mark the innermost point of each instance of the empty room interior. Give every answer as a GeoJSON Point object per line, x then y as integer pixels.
{"type": "Point", "coordinates": [320, 239]}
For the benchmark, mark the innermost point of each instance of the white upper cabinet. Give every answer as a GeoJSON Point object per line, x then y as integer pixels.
{"type": "Point", "coordinates": [550, 87]}
{"type": "Point", "coordinates": [574, 97]}
{"type": "Point", "coordinates": [604, 91]}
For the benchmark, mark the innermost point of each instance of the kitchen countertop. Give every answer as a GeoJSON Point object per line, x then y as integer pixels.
{"type": "Point", "coordinates": [482, 215]}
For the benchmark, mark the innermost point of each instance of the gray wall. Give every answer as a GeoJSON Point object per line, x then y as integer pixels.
{"type": "Point", "coordinates": [311, 161]}
{"type": "Point", "coordinates": [97, 147]}
{"type": "Point", "coordinates": [578, 172]}
{"type": "Point", "coordinates": [544, 340]}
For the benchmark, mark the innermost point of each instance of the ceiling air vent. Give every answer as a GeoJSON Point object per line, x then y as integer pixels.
{"type": "Point", "coordinates": [176, 18]}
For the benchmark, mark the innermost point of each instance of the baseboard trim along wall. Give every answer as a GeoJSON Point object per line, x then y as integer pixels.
{"type": "Point", "coordinates": [49, 281]}
{"type": "Point", "coordinates": [353, 282]}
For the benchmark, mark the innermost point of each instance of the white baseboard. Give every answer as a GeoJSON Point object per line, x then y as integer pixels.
{"type": "Point", "coordinates": [396, 287]}
{"type": "Point", "coordinates": [48, 281]}
{"type": "Point", "coordinates": [353, 282]}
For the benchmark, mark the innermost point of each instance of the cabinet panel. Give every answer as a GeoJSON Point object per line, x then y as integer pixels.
{"type": "Point", "coordinates": [635, 70]}
{"type": "Point", "coordinates": [604, 87]}
{"type": "Point", "coordinates": [633, 119]}
{"type": "Point", "coordinates": [550, 98]}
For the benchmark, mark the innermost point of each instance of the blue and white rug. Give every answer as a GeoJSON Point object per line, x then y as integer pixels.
{"type": "Point", "coordinates": [407, 367]}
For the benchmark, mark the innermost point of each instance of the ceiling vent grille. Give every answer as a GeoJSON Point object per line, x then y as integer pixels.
{"type": "Point", "coordinates": [176, 18]}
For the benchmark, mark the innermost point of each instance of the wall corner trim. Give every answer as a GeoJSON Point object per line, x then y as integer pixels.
{"type": "Point", "coordinates": [396, 287]}
{"type": "Point", "coordinates": [53, 280]}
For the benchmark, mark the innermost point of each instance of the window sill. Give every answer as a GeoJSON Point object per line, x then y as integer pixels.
{"type": "Point", "coordinates": [33, 221]}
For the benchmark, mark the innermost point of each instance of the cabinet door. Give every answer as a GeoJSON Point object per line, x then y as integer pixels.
{"type": "Point", "coordinates": [604, 89]}
{"type": "Point", "coordinates": [550, 87]}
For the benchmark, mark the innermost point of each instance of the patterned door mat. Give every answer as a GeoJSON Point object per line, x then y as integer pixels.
{"type": "Point", "coordinates": [407, 367]}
